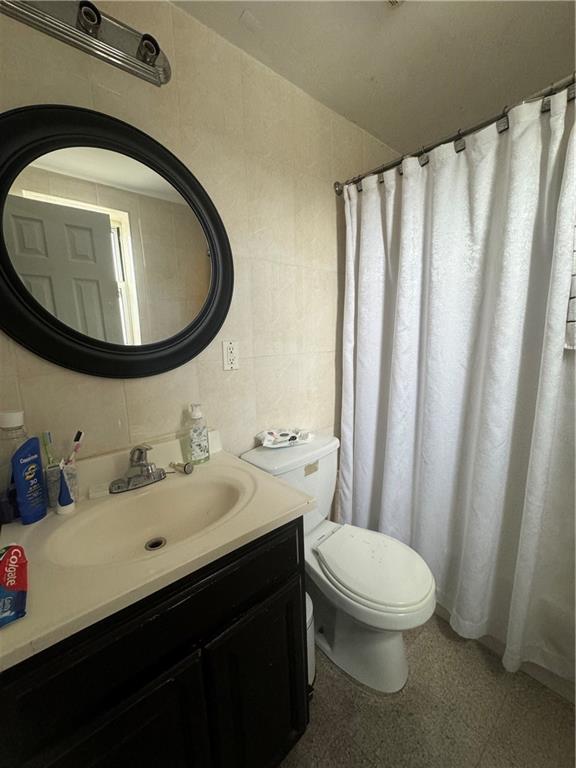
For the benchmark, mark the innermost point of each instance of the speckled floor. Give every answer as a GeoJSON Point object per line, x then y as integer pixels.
{"type": "Point", "coordinates": [459, 709]}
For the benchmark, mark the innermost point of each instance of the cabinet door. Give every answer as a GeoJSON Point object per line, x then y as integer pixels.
{"type": "Point", "coordinates": [255, 682]}
{"type": "Point", "coordinates": [162, 725]}
{"type": "Point", "coordinates": [46, 697]}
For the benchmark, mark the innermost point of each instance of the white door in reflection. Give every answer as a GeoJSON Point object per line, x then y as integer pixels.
{"type": "Point", "coordinates": [65, 258]}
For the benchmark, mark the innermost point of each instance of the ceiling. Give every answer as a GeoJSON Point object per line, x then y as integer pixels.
{"type": "Point", "coordinates": [409, 74]}
{"type": "Point", "coordinates": [113, 169]}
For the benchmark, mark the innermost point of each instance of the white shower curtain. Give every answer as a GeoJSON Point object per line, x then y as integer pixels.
{"type": "Point", "coordinates": [458, 394]}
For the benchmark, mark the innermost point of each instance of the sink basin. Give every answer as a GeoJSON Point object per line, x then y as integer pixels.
{"type": "Point", "coordinates": [144, 523]}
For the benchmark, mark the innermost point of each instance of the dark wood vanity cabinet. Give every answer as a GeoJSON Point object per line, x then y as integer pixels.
{"type": "Point", "coordinates": [210, 672]}
{"type": "Point", "coordinates": [164, 724]}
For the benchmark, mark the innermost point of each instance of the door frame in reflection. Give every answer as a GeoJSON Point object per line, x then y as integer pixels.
{"type": "Point", "coordinates": [123, 258]}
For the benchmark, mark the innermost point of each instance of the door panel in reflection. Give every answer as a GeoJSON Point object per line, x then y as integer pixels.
{"type": "Point", "coordinates": [64, 257]}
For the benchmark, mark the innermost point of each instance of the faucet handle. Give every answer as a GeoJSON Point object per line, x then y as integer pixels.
{"type": "Point", "coordinates": [139, 454]}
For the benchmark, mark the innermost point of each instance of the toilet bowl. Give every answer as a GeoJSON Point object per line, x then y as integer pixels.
{"type": "Point", "coordinates": [364, 601]}
{"type": "Point", "coordinates": [366, 587]}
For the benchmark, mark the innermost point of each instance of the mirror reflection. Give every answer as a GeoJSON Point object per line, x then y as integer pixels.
{"type": "Point", "coordinates": [107, 245]}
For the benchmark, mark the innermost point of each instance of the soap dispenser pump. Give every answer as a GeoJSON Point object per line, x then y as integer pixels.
{"type": "Point", "coordinates": [199, 448]}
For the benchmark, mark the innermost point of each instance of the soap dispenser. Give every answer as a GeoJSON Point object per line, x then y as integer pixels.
{"type": "Point", "coordinates": [199, 451]}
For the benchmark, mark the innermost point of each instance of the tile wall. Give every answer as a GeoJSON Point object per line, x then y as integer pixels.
{"type": "Point", "coordinates": [267, 153]}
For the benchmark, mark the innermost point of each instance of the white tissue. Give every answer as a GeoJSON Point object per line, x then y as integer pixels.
{"type": "Point", "coordinates": [277, 437]}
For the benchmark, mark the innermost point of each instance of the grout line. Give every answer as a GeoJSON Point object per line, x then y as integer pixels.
{"type": "Point", "coordinates": [292, 354]}
{"type": "Point", "coordinates": [126, 411]}
{"type": "Point", "coordinates": [306, 265]}
{"type": "Point", "coordinates": [16, 373]}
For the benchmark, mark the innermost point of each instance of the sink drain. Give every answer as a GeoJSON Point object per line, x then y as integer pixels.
{"type": "Point", "coordinates": [156, 543]}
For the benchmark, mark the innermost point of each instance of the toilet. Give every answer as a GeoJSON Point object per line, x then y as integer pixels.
{"type": "Point", "coordinates": [366, 588]}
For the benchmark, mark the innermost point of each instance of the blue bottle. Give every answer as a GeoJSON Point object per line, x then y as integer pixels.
{"type": "Point", "coordinates": [29, 481]}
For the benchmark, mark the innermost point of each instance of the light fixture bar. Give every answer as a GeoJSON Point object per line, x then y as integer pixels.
{"type": "Point", "coordinates": [83, 26]}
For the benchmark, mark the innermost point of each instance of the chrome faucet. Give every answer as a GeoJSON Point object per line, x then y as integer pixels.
{"type": "Point", "coordinates": [141, 472]}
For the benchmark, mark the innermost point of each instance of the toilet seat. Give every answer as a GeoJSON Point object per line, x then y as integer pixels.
{"type": "Point", "coordinates": [374, 570]}
{"type": "Point", "coordinates": [376, 617]}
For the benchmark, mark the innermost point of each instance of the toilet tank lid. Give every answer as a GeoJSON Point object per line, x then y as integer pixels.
{"type": "Point", "coordinates": [278, 461]}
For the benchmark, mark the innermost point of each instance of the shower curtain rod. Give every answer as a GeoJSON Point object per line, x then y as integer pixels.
{"type": "Point", "coordinates": [545, 93]}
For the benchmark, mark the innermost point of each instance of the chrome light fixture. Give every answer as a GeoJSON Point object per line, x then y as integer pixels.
{"type": "Point", "coordinates": [148, 50]}
{"type": "Point", "coordinates": [83, 26]}
{"type": "Point", "coordinates": [89, 18]}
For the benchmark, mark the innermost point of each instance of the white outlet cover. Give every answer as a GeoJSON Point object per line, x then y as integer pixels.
{"type": "Point", "coordinates": [230, 355]}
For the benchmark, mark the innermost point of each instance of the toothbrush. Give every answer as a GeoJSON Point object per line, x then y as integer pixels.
{"type": "Point", "coordinates": [78, 437]}
{"type": "Point", "coordinates": [46, 443]}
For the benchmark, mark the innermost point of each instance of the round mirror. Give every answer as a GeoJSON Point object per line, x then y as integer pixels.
{"type": "Point", "coordinates": [113, 259]}
{"type": "Point", "coordinates": [106, 245]}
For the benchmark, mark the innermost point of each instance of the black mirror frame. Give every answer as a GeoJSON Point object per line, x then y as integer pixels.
{"type": "Point", "coordinates": [29, 132]}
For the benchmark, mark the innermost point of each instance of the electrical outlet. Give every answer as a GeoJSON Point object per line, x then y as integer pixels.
{"type": "Point", "coordinates": [230, 355]}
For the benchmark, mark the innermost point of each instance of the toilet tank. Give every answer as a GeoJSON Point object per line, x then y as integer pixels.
{"type": "Point", "coordinates": [310, 467]}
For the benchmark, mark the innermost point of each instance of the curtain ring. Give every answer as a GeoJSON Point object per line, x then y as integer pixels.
{"type": "Point", "coordinates": [546, 101]}
{"type": "Point", "coordinates": [423, 158]}
{"type": "Point", "coordinates": [503, 123]}
{"type": "Point", "coordinates": [460, 142]}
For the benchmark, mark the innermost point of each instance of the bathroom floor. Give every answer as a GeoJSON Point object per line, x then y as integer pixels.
{"type": "Point", "coordinates": [459, 709]}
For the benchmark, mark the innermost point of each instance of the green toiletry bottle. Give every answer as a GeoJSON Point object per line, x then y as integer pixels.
{"type": "Point", "coordinates": [199, 451]}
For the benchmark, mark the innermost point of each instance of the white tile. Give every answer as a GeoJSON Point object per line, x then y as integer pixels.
{"type": "Point", "coordinates": [320, 312]}
{"type": "Point", "coordinates": [7, 355]}
{"type": "Point", "coordinates": [278, 390]}
{"type": "Point", "coordinates": [238, 323]}
{"type": "Point", "coordinates": [30, 366]}
{"type": "Point", "coordinates": [312, 136]}
{"type": "Point", "coordinates": [64, 401]}
{"type": "Point", "coordinates": [218, 162]}
{"type": "Point", "coordinates": [228, 399]}
{"type": "Point", "coordinates": [156, 404]}
{"type": "Point", "coordinates": [269, 115]}
{"type": "Point", "coordinates": [316, 243]}
{"type": "Point", "coordinates": [318, 382]}
{"type": "Point", "coordinates": [270, 212]}
{"type": "Point", "coordinates": [9, 393]}
{"type": "Point", "coordinates": [153, 110]}
{"type": "Point", "coordinates": [278, 301]}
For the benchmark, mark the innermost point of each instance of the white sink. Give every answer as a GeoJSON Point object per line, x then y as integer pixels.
{"type": "Point", "coordinates": [118, 529]}
{"type": "Point", "coordinates": [85, 567]}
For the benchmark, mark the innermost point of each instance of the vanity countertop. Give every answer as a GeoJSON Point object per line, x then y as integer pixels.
{"type": "Point", "coordinates": [65, 597]}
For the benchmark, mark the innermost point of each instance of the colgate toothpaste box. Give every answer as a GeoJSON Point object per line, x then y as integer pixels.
{"type": "Point", "coordinates": [13, 583]}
